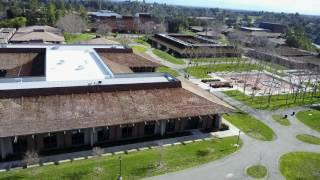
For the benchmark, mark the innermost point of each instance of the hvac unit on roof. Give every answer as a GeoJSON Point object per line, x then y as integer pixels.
{"type": "Point", "coordinates": [80, 67]}
{"type": "Point", "coordinates": [55, 47]}
{"type": "Point", "coordinates": [60, 62]}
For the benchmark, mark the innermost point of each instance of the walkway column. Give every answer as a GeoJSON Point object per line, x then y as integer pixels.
{"type": "Point", "coordinates": [163, 127]}
{"type": "Point", "coordinates": [217, 121]}
{"type": "Point", "coordinates": [93, 138]}
{"type": "Point", "coordinates": [3, 150]}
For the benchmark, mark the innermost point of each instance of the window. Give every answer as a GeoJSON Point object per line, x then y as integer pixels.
{"type": "Point", "coordinates": [3, 73]}
{"type": "Point", "coordinates": [50, 142]}
{"type": "Point", "coordinates": [127, 131]}
{"type": "Point", "coordinates": [77, 138]}
{"type": "Point", "coordinates": [149, 128]}
{"type": "Point", "coordinates": [103, 135]}
{"type": "Point", "coordinates": [170, 126]}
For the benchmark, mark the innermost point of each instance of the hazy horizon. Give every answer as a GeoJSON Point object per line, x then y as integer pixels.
{"type": "Point", "coordinates": [308, 7]}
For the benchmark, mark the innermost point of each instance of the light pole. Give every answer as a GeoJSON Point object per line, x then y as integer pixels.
{"type": "Point", "coordinates": [237, 145]}
{"type": "Point", "coordinates": [120, 174]}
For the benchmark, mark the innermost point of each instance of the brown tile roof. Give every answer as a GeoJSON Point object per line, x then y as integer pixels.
{"type": "Point", "coordinates": [33, 36]}
{"type": "Point", "coordinates": [15, 60]}
{"type": "Point", "coordinates": [31, 115]}
{"type": "Point", "coordinates": [35, 33]}
{"type": "Point", "coordinates": [98, 41]}
{"type": "Point", "coordinates": [117, 68]}
{"type": "Point", "coordinates": [130, 60]}
{"type": "Point", "coordinates": [21, 64]}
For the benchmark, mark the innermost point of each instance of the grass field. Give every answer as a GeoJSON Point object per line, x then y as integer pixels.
{"type": "Point", "coordinates": [202, 71]}
{"type": "Point", "coordinates": [279, 118]}
{"type": "Point", "coordinates": [134, 165]}
{"type": "Point", "coordinates": [74, 38]}
{"type": "Point", "coordinates": [310, 118]}
{"type": "Point", "coordinates": [309, 139]}
{"type": "Point", "coordinates": [251, 126]}
{"type": "Point", "coordinates": [164, 69]}
{"type": "Point", "coordinates": [277, 101]}
{"type": "Point", "coordinates": [257, 171]}
{"type": "Point", "coordinates": [300, 165]}
{"type": "Point", "coordinates": [142, 41]}
{"type": "Point", "coordinates": [215, 60]}
{"type": "Point", "coordinates": [139, 49]}
{"type": "Point", "coordinates": [167, 57]}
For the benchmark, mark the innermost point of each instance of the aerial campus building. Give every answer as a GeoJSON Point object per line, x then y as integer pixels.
{"type": "Point", "coordinates": [181, 45]}
{"type": "Point", "coordinates": [55, 98]}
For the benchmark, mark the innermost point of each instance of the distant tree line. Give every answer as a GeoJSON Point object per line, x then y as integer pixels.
{"type": "Point", "coordinates": [38, 12]}
{"type": "Point", "coordinates": [296, 38]}
{"type": "Point", "coordinates": [176, 17]}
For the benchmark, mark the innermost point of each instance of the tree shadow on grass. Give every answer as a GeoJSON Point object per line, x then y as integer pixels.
{"type": "Point", "coordinates": [14, 177]}
{"type": "Point", "coordinates": [74, 175]}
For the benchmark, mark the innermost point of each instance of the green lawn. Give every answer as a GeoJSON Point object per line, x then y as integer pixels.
{"type": "Point", "coordinates": [142, 41]}
{"type": "Point", "coordinates": [300, 165]}
{"type": "Point", "coordinates": [73, 38]}
{"type": "Point", "coordinates": [257, 171]}
{"type": "Point", "coordinates": [277, 101]}
{"type": "Point", "coordinates": [251, 126]}
{"type": "Point", "coordinates": [215, 60]}
{"type": "Point", "coordinates": [135, 165]}
{"type": "Point", "coordinates": [202, 71]}
{"type": "Point", "coordinates": [310, 118]}
{"type": "Point", "coordinates": [309, 139]}
{"type": "Point", "coordinates": [281, 120]}
{"type": "Point", "coordinates": [139, 49]}
{"type": "Point", "coordinates": [167, 57]}
{"type": "Point", "coordinates": [164, 69]}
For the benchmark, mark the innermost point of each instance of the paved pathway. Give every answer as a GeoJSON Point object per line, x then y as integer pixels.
{"type": "Point", "coordinates": [253, 151]}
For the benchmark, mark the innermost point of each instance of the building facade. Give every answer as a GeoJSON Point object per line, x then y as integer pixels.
{"type": "Point", "coordinates": [192, 46]}
{"type": "Point", "coordinates": [79, 102]}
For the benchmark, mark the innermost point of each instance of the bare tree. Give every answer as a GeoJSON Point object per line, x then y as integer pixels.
{"type": "Point", "coordinates": [150, 28]}
{"type": "Point", "coordinates": [104, 29]}
{"type": "Point", "coordinates": [97, 153]}
{"type": "Point", "coordinates": [123, 41]}
{"type": "Point", "coordinates": [161, 151]}
{"type": "Point", "coordinates": [30, 158]}
{"type": "Point", "coordinates": [72, 23]}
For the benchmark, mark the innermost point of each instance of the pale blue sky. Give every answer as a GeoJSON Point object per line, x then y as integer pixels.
{"type": "Point", "coordinates": [290, 6]}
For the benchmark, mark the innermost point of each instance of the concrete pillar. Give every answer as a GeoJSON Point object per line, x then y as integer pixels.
{"type": "Point", "coordinates": [60, 140]}
{"type": "Point", "coordinates": [5, 147]}
{"type": "Point", "coordinates": [157, 128]}
{"type": "Point", "coordinates": [68, 139]}
{"type": "Point", "coordinates": [88, 136]}
{"type": "Point", "coordinates": [141, 129]}
{"type": "Point", "coordinates": [118, 132]}
{"type": "Point", "coordinates": [217, 121]}
{"type": "Point", "coordinates": [112, 131]}
{"type": "Point", "coordinates": [31, 142]}
{"type": "Point", "coordinates": [163, 124]}
{"type": "Point", "coordinates": [2, 148]}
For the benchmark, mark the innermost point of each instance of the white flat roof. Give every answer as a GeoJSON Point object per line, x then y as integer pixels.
{"type": "Point", "coordinates": [72, 65]}
{"type": "Point", "coordinates": [130, 79]}
{"type": "Point", "coordinates": [254, 28]}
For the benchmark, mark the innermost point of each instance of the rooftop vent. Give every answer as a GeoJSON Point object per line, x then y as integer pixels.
{"type": "Point", "coordinates": [80, 67]}
{"type": "Point", "coordinates": [55, 47]}
{"type": "Point", "coordinates": [60, 62]}
{"type": "Point", "coordinates": [38, 30]}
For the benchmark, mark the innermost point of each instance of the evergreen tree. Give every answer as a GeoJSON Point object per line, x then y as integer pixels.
{"type": "Point", "coordinates": [51, 14]}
